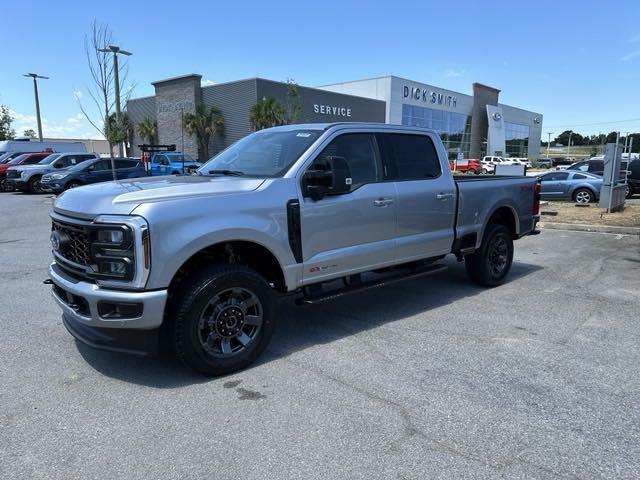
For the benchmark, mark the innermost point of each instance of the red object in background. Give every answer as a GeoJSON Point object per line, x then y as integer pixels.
{"type": "Point", "coordinates": [26, 159]}
{"type": "Point", "coordinates": [466, 165]}
{"type": "Point", "coordinates": [536, 199]}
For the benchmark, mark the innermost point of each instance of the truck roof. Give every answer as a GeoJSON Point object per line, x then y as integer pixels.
{"type": "Point", "coordinates": [364, 125]}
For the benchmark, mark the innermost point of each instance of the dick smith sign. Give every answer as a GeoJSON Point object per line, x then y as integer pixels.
{"type": "Point", "coordinates": [431, 96]}
{"type": "Point", "coordinates": [185, 105]}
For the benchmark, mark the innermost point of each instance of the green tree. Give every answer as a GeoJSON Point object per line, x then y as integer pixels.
{"type": "Point", "coordinates": [117, 131]}
{"type": "Point", "coordinates": [294, 107]}
{"type": "Point", "coordinates": [147, 129]}
{"type": "Point", "coordinates": [267, 113]}
{"type": "Point", "coordinates": [204, 124]}
{"type": "Point", "coordinates": [6, 132]}
{"type": "Point", "coordinates": [30, 132]}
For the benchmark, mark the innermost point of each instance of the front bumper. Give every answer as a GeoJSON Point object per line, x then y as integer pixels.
{"type": "Point", "coordinates": [17, 184]}
{"type": "Point", "coordinates": [90, 305]}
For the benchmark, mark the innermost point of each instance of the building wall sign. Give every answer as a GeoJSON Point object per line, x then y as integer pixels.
{"type": "Point", "coordinates": [430, 96]}
{"type": "Point", "coordinates": [333, 110]}
{"type": "Point", "coordinates": [185, 105]}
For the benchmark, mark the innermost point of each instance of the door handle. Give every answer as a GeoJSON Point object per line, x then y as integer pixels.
{"type": "Point", "coordinates": [444, 196]}
{"type": "Point", "coordinates": [382, 202]}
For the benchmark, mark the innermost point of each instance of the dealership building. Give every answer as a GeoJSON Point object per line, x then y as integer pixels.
{"type": "Point", "coordinates": [470, 125]}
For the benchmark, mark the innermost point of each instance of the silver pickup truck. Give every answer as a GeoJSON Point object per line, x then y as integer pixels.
{"type": "Point", "coordinates": [196, 263]}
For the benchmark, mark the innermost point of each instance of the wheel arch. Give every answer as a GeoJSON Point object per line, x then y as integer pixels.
{"type": "Point", "coordinates": [506, 215]}
{"type": "Point", "coordinates": [249, 253]}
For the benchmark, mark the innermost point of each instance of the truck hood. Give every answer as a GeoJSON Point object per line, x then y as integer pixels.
{"type": "Point", "coordinates": [32, 168]}
{"type": "Point", "coordinates": [123, 196]}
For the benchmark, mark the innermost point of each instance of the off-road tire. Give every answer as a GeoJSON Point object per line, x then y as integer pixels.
{"type": "Point", "coordinates": [479, 264]}
{"type": "Point", "coordinates": [191, 299]}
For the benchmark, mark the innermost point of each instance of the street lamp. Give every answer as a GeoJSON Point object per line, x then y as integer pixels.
{"type": "Point", "coordinates": [35, 76]}
{"type": "Point", "coordinates": [548, 143]}
{"type": "Point", "coordinates": [116, 50]}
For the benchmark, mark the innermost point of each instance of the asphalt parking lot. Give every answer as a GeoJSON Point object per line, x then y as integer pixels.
{"type": "Point", "coordinates": [431, 378]}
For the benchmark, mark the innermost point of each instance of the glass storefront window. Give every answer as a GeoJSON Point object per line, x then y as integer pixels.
{"type": "Point", "coordinates": [516, 138]}
{"type": "Point", "coordinates": [454, 128]}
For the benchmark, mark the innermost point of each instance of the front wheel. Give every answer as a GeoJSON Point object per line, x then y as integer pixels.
{"type": "Point", "coordinates": [72, 185]}
{"type": "Point", "coordinates": [223, 319]}
{"type": "Point", "coordinates": [583, 196]}
{"type": "Point", "coordinates": [628, 192]}
{"type": "Point", "coordinates": [490, 264]}
{"type": "Point", "coordinates": [34, 185]}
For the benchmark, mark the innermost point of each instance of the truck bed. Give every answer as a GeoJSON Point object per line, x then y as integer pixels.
{"type": "Point", "coordinates": [479, 197]}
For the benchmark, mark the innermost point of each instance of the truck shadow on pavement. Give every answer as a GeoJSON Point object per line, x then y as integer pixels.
{"type": "Point", "coordinates": [301, 327]}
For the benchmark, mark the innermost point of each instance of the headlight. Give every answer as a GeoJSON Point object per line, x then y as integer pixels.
{"type": "Point", "coordinates": [120, 250]}
{"type": "Point", "coordinates": [58, 176]}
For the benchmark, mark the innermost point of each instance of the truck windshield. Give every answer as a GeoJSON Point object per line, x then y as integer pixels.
{"type": "Point", "coordinates": [262, 154]}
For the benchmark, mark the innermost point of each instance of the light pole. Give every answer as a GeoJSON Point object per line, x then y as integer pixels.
{"type": "Point", "coordinates": [182, 136]}
{"type": "Point", "coordinates": [569, 144]}
{"type": "Point", "coordinates": [35, 76]}
{"type": "Point", "coordinates": [548, 143]}
{"type": "Point", "coordinates": [116, 50]}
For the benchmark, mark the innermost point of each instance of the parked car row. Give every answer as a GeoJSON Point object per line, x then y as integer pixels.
{"type": "Point", "coordinates": [582, 181]}
{"type": "Point", "coordinates": [55, 172]}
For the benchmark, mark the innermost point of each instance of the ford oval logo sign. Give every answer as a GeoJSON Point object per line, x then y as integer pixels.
{"type": "Point", "coordinates": [56, 241]}
{"type": "Point", "coordinates": [496, 116]}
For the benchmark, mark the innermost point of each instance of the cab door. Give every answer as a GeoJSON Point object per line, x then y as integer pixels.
{"type": "Point", "coordinates": [426, 196]}
{"type": "Point", "coordinates": [354, 231]}
{"type": "Point", "coordinates": [554, 185]}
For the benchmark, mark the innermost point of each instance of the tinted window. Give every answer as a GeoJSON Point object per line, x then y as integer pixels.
{"type": "Point", "coordinates": [596, 166]}
{"type": "Point", "coordinates": [361, 154]}
{"type": "Point", "coordinates": [102, 165]}
{"type": "Point", "coordinates": [413, 157]}
{"type": "Point", "coordinates": [125, 163]}
{"type": "Point", "coordinates": [69, 160]}
{"type": "Point", "coordinates": [49, 159]}
{"type": "Point", "coordinates": [579, 176]}
{"type": "Point", "coordinates": [161, 159]}
{"type": "Point", "coordinates": [555, 176]}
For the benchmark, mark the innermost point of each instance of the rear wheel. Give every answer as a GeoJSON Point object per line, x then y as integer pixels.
{"type": "Point", "coordinates": [490, 264]}
{"type": "Point", "coordinates": [223, 319]}
{"type": "Point", "coordinates": [583, 195]}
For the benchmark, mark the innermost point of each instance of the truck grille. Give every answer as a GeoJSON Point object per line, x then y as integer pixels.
{"type": "Point", "coordinates": [13, 174]}
{"type": "Point", "coordinates": [77, 249]}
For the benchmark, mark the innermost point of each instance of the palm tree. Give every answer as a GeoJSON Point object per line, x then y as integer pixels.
{"type": "Point", "coordinates": [147, 129]}
{"type": "Point", "coordinates": [204, 124]}
{"type": "Point", "coordinates": [267, 113]}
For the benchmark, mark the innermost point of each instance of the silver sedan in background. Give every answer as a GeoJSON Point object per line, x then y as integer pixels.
{"type": "Point", "coordinates": [581, 187]}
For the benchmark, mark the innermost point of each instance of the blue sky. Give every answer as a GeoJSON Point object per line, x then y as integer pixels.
{"type": "Point", "coordinates": [578, 63]}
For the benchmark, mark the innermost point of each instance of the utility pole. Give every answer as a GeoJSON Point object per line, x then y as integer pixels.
{"type": "Point", "coordinates": [35, 76]}
{"type": "Point", "coordinates": [548, 143]}
{"type": "Point", "coordinates": [569, 144]}
{"type": "Point", "coordinates": [182, 136]}
{"type": "Point", "coordinates": [116, 50]}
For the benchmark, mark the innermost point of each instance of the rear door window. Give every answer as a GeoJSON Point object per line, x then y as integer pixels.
{"type": "Point", "coordinates": [126, 163]}
{"type": "Point", "coordinates": [411, 157]}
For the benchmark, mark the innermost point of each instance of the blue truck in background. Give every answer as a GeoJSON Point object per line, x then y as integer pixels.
{"type": "Point", "coordinates": [171, 163]}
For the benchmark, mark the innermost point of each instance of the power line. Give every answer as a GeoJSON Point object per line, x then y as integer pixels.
{"type": "Point", "coordinates": [591, 124]}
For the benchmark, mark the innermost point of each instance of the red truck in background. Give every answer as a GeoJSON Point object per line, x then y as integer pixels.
{"type": "Point", "coordinates": [470, 165]}
{"type": "Point", "coordinates": [24, 159]}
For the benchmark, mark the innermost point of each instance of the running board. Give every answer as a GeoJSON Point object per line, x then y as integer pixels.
{"type": "Point", "coordinates": [358, 287]}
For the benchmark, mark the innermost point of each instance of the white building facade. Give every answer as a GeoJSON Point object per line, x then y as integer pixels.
{"type": "Point", "coordinates": [470, 126]}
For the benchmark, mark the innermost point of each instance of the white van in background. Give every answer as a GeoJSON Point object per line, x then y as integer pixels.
{"type": "Point", "coordinates": [26, 145]}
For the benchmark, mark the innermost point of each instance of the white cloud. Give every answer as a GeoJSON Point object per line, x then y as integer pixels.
{"type": "Point", "coordinates": [206, 82]}
{"type": "Point", "coordinates": [72, 127]}
{"type": "Point", "coordinates": [630, 55]}
{"type": "Point", "coordinates": [453, 73]}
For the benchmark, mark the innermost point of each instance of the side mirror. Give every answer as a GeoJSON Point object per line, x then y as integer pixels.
{"type": "Point", "coordinates": [329, 177]}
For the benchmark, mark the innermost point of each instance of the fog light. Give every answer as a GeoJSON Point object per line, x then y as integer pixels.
{"type": "Point", "coordinates": [110, 236]}
{"type": "Point", "coordinates": [112, 268]}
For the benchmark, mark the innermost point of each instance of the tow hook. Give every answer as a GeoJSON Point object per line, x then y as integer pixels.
{"type": "Point", "coordinates": [48, 281]}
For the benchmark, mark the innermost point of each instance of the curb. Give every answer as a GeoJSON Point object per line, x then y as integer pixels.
{"type": "Point", "coordinates": [577, 227]}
